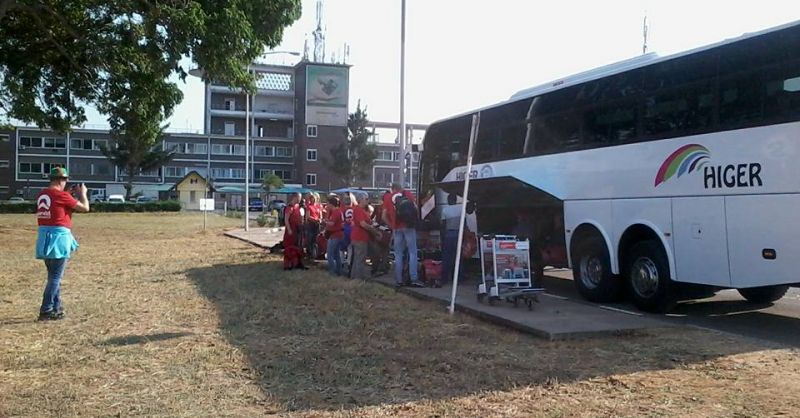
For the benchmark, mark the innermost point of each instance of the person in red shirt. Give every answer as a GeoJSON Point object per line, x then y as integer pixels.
{"type": "Point", "coordinates": [312, 223]}
{"type": "Point", "coordinates": [334, 228]}
{"type": "Point", "coordinates": [403, 237]}
{"type": "Point", "coordinates": [54, 242]}
{"type": "Point", "coordinates": [292, 252]}
{"type": "Point", "coordinates": [360, 236]}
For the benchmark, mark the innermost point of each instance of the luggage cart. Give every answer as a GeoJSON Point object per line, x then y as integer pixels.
{"type": "Point", "coordinates": [506, 272]}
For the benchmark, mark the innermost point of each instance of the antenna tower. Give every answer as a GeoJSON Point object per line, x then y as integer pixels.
{"type": "Point", "coordinates": [644, 35]}
{"type": "Point", "coordinates": [319, 35]}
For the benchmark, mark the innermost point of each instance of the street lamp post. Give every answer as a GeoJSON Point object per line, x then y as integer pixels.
{"type": "Point", "coordinates": [247, 161]}
{"type": "Point", "coordinates": [402, 92]}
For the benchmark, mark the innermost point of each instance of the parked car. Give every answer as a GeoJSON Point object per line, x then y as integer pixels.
{"type": "Point", "coordinates": [15, 199]}
{"type": "Point", "coordinates": [256, 204]}
{"type": "Point", "coordinates": [116, 198]}
{"type": "Point", "coordinates": [145, 199]}
{"type": "Point", "coordinates": [276, 204]}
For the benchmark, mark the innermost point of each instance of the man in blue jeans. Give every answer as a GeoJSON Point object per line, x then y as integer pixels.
{"type": "Point", "coordinates": [404, 237]}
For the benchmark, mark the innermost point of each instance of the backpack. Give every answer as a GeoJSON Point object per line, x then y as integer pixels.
{"type": "Point", "coordinates": [406, 211]}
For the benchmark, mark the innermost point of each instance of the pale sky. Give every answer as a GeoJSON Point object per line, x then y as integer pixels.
{"type": "Point", "coordinates": [462, 55]}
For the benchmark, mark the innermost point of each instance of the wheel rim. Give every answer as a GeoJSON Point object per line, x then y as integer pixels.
{"type": "Point", "coordinates": [644, 277]}
{"type": "Point", "coordinates": [591, 271]}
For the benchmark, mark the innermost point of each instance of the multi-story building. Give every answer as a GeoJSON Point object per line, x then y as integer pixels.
{"type": "Point", "coordinates": [298, 114]}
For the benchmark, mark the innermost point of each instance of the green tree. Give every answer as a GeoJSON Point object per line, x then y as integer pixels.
{"type": "Point", "coordinates": [353, 160]}
{"type": "Point", "coordinates": [271, 182]}
{"type": "Point", "coordinates": [58, 55]}
{"type": "Point", "coordinates": [136, 152]}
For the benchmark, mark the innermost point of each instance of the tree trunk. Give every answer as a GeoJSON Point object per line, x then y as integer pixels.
{"type": "Point", "coordinates": [129, 183]}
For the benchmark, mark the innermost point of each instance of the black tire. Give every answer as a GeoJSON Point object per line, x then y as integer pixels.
{"type": "Point", "coordinates": [764, 294]}
{"type": "Point", "coordinates": [647, 274]}
{"type": "Point", "coordinates": [591, 270]}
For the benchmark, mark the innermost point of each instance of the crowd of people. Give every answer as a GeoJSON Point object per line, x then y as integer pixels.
{"type": "Point", "coordinates": [350, 231]}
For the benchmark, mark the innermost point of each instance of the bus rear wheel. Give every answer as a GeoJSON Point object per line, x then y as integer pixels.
{"type": "Point", "coordinates": [591, 270]}
{"type": "Point", "coordinates": [647, 271]}
{"type": "Point", "coordinates": [764, 294]}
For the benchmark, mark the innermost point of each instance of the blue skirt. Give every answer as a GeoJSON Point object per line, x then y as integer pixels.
{"type": "Point", "coordinates": [55, 242]}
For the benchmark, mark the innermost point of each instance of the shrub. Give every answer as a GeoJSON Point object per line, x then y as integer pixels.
{"type": "Point", "coordinates": [27, 207]}
{"type": "Point", "coordinates": [159, 206]}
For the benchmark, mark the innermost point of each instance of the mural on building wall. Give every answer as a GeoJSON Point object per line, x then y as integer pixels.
{"type": "Point", "coordinates": [327, 91]}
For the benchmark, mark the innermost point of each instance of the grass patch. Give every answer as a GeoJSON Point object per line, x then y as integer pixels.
{"type": "Point", "coordinates": [167, 320]}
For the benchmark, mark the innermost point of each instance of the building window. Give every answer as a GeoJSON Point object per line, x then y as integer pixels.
{"type": "Point", "coordinates": [230, 129]}
{"type": "Point", "coordinates": [311, 179]}
{"type": "Point", "coordinates": [227, 173]}
{"type": "Point", "coordinates": [230, 104]}
{"type": "Point", "coordinates": [311, 155]}
{"type": "Point", "coordinates": [30, 142]}
{"type": "Point", "coordinates": [264, 151]}
{"type": "Point", "coordinates": [4, 164]}
{"type": "Point", "coordinates": [196, 148]}
{"type": "Point", "coordinates": [80, 168]}
{"type": "Point", "coordinates": [101, 169]}
{"type": "Point", "coordinates": [387, 156]}
{"type": "Point", "coordinates": [283, 152]}
{"type": "Point", "coordinates": [87, 144]}
{"type": "Point", "coordinates": [283, 174]}
{"type": "Point", "coordinates": [4, 138]}
{"type": "Point", "coordinates": [227, 149]}
{"type": "Point", "coordinates": [261, 173]}
{"type": "Point", "coordinates": [311, 131]}
{"type": "Point", "coordinates": [172, 171]}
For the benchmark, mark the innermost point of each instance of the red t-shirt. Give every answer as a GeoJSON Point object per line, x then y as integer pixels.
{"type": "Point", "coordinates": [388, 206]}
{"type": "Point", "coordinates": [54, 208]}
{"type": "Point", "coordinates": [337, 228]}
{"type": "Point", "coordinates": [314, 211]}
{"type": "Point", "coordinates": [359, 234]}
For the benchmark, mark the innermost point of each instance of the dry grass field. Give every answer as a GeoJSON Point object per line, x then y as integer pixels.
{"type": "Point", "coordinates": [165, 320]}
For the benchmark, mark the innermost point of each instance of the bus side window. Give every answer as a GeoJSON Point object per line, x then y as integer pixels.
{"type": "Point", "coordinates": [782, 92]}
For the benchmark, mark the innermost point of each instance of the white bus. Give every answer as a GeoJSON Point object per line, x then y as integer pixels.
{"type": "Point", "coordinates": [655, 177]}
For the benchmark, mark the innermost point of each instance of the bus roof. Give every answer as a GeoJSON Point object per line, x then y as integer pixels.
{"type": "Point", "coordinates": [614, 68]}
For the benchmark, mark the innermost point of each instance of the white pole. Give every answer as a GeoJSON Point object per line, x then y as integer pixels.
{"type": "Point", "coordinates": [476, 121]}
{"type": "Point", "coordinates": [403, 94]}
{"type": "Point", "coordinates": [247, 163]}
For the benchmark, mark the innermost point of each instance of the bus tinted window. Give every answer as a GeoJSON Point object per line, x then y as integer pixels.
{"type": "Point", "coordinates": [683, 109]}
{"type": "Point", "coordinates": [782, 92]}
{"type": "Point", "coordinates": [502, 132]}
{"type": "Point", "coordinates": [558, 132]}
{"type": "Point", "coordinates": [740, 98]}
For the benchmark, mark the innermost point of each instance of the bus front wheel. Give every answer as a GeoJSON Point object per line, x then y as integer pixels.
{"type": "Point", "coordinates": [591, 270]}
{"type": "Point", "coordinates": [764, 294]}
{"type": "Point", "coordinates": [647, 271]}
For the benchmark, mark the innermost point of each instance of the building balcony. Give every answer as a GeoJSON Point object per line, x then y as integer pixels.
{"type": "Point", "coordinates": [216, 88]}
{"type": "Point", "coordinates": [274, 114]}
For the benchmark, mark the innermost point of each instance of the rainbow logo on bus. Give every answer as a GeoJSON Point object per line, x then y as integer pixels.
{"type": "Point", "coordinates": [685, 159]}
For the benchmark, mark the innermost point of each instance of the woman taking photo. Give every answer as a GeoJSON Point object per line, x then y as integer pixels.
{"type": "Point", "coordinates": [55, 243]}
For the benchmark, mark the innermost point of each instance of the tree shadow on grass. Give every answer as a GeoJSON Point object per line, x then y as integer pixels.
{"type": "Point", "coordinates": [143, 339]}
{"type": "Point", "coordinates": [326, 343]}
